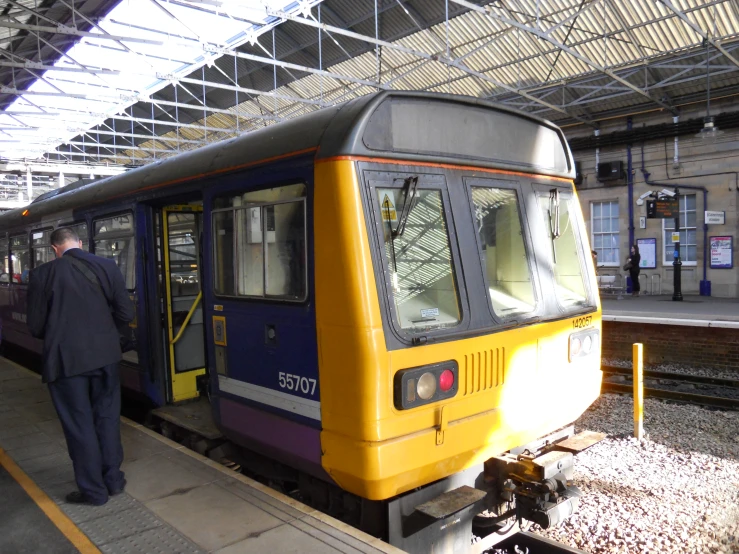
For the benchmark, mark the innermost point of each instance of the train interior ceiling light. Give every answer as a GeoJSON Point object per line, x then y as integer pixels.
{"type": "Point", "coordinates": [137, 49]}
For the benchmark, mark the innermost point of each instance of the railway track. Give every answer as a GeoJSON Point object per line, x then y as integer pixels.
{"type": "Point", "coordinates": [721, 393]}
{"type": "Point", "coordinates": [525, 542]}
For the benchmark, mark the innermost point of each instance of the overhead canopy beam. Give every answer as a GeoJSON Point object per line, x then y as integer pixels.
{"type": "Point", "coordinates": [423, 55]}
{"type": "Point", "coordinates": [67, 169]}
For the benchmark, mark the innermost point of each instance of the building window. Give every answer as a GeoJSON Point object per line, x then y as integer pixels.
{"type": "Point", "coordinates": [604, 225]}
{"type": "Point", "coordinates": [688, 235]}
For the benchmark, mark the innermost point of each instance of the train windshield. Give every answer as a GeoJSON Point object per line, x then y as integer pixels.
{"type": "Point", "coordinates": [418, 255]}
{"type": "Point", "coordinates": [504, 257]}
{"type": "Point", "coordinates": [560, 216]}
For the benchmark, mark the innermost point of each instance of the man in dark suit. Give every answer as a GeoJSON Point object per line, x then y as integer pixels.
{"type": "Point", "coordinates": [75, 303]}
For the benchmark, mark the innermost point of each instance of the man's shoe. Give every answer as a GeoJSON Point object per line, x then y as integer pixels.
{"type": "Point", "coordinates": [77, 497]}
{"type": "Point", "coordinates": [119, 490]}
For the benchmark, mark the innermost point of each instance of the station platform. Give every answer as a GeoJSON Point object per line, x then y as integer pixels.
{"type": "Point", "coordinates": [699, 332]}
{"type": "Point", "coordinates": [176, 501]}
{"type": "Point", "coordinates": [692, 311]}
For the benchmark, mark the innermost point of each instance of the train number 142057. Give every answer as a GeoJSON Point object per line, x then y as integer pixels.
{"type": "Point", "coordinates": [297, 383]}
{"type": "Point", "coordinates": [582, 322]}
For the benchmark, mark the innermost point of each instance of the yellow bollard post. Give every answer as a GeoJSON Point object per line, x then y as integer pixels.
{"type": "Point", "coordinates": [638, 353]}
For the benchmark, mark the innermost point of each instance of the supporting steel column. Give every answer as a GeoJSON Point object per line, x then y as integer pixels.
{"type": "Point", "coordinates": [29, 184]}
{"type": "Point", "coordinates": [630, 181]}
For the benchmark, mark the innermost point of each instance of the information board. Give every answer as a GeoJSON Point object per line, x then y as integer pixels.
{"type": "Point", "coordinates": [648, 253]}
{"type": "Point", "coordinates": [663, 208]}
{"type": "Point", "coordinates": [722, 256]}
{"type": "Point", "coordinates": [715, 218]}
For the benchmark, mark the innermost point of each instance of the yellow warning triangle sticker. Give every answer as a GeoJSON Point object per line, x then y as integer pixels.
{"type": "Point", "coordinates": [388, 209]}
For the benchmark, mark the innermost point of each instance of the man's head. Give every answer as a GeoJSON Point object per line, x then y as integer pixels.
{"type": "Point", "coordinates": [63, 239]}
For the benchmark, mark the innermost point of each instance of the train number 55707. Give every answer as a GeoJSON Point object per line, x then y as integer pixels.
{"type": "Point", "coordinates": [297, 383]}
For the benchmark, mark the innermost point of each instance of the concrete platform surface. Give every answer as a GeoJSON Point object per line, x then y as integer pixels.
{"type": "Point", "coordinates": [176, 501]}
{"type": "Point", "coordinates": [25, 526]}
{"type": "Point", "coordinates": [710, 311]}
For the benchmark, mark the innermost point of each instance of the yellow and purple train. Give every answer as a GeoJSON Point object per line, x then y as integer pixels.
{"type": "Point", "coordinates": [393, 299]}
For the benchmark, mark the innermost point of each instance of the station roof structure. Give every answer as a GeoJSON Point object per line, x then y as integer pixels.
{"type": "Point", "coordinates": [125, 83]}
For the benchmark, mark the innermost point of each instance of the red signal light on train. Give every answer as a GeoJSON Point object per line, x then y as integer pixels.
{"type": "Point", "coordinates": [446, 380]}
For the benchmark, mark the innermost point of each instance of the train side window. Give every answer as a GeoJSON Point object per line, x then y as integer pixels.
{"type": "Point", "coordinates": [260, 244]}
{"type": "Point", "coordinates": [81, 230]}
{"type": "Point", "coordinates": [113, 238]}
{"type": "Point", "coordinates": [41, 246]}
{"type": "Point", "coordinates": [498, 223]}
{"type": "Point", "coordinates": [20, 257]}
{"type": "Point", "coordinates": [4, 261]}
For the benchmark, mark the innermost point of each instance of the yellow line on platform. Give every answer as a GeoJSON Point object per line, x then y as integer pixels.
{"type": "Point", "coordinates": [49, 507]}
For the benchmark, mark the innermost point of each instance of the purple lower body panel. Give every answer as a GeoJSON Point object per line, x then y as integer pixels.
{"type": "Point", "coordinates": [289, 442]}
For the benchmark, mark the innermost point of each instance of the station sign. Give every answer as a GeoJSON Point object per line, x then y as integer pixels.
{"type": "Point", "coordinates": [715, 218]}
{"type": "Point", "coordinates": [663, 208]}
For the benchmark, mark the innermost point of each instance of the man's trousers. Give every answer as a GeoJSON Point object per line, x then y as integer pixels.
{"type": "Point", "coordinates": [89, 409]}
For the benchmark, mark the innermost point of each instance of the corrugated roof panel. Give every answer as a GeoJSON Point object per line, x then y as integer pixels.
{"type": "Point", "coordinates": [609, 33]}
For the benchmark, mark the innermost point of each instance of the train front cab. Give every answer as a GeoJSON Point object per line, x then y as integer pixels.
{"type": "Point", "coordinates": [457, 319]}
{"type": "Point", "coordinates": [385, 431]}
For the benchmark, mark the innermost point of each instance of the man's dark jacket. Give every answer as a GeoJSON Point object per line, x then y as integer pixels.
{"type": "Point", "coordinates": [77, 323]}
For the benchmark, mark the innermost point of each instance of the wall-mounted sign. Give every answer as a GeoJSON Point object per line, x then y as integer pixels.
{"type": "Point", "coordinates": [648, 253]}
{"type": "Point", "coordinates": [715, 218]}
{"type": "Point", "coordinates": [642, 222]}
{"type": "Point", "coordinates": [722, 256]}
{"type": "Point", "coordinates": [663, 208]}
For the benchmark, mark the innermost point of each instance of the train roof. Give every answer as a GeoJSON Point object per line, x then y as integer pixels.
{"type": "Point", "coordinates": [334, 131]}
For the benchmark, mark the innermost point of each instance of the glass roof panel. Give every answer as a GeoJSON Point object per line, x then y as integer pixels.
{"type": "Point", "coordinates": [150, 44]}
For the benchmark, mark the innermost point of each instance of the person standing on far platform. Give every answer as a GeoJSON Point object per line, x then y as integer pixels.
{"type": "Point", "coordinates": [632, 265]}
{"type": "Point", "coordinates": [75, 304]}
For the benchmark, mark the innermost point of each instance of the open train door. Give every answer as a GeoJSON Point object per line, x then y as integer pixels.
{"type": "Point", "coordinates": [185, 334]}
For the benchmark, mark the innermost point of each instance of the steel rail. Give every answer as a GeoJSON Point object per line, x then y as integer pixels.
{"type": "Point", "coordinates": [536, 544]}
{"type": "Point", "coordinates": [683, 377]}
{"type": "Point", "coordinates": [690, 398]}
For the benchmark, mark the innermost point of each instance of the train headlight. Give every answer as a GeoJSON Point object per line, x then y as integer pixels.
{"type": "Point", "coordinates": [424, 385]}
{"type": "Point", "coordinates": [583, 343]}
{"type": "Point", "coordinates": [587, 344]}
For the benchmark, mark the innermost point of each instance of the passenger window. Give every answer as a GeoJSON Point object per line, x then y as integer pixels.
{"type": "Point", "coordinates": [41, 245]}
{"type": "Point", "coordinates": [504, 258]}
{"type": "Point", "coordinates": [4, 261]}
{"type": "Point", "coordinates": [418, 255]}
{"type": "Point", "coordinates": [20, 257]}
{"type": "Point", "coordinates": [260, 244]}
{"type": "Point", "coordinates": [559, 213]}
{"type": "Point", "coordinates": [81, 230]}
{"type": "Point", "coordinates": [113, 238]}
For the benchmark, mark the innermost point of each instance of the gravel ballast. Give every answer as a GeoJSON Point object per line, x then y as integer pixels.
{"type": "Point", "coordinates": [677, 491]}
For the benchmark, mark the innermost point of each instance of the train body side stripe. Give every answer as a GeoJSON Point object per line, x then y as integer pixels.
{"type": "Point", "coordinates": [295, 404]}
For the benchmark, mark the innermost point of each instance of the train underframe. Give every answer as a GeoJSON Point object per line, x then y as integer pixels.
{"type": "Point", "coordinates": [532, 483]}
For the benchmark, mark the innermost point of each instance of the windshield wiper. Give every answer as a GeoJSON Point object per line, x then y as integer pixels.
{"type": "Point", "coordinates": [410, 184]}
{"type": "Point", "coordinates": [409, 188]}
{"type": "Point", "coordinates": [554, 220]}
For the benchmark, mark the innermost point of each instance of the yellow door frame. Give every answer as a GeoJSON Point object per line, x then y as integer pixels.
{"type": "Point", "coordinates": [183, 385]}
